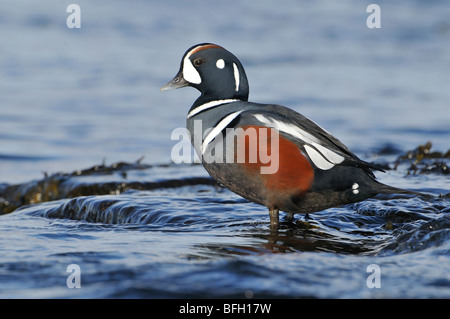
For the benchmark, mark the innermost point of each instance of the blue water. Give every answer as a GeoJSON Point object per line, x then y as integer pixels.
{"type": "Point", "coordinates": [74, 98]}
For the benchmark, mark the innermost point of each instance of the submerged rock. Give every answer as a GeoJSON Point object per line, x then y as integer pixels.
{"type": "Point", "coordinates": [119, 177]}
{"type": "Point", "coordinates": [423, 161]}
{"type": "Point", "coordinates": [96, 180]}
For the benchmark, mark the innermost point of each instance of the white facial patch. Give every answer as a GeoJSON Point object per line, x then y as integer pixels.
{"type": "Point", "coordinates": [220, 64]}
{"type": "Point", "coordinates": [190, 74]}
{"type": "Point", "coordinates": [321, 156]}
{"type": "Point", "coordinates": [218, 128]}
{"type": "Point", "coordinates": [236, 76]}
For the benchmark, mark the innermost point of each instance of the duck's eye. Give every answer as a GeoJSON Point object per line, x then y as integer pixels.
{"type": "Point", "coordinates": [198, 62]}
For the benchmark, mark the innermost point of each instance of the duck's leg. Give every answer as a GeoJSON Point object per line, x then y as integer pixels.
{"type": "Point", "coordinates": [274, 218]}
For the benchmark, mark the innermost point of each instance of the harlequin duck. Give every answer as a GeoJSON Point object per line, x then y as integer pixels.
{"type": "Point", "coordinates": [267, 153]}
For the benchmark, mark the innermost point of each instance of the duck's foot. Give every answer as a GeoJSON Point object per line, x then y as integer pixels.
{"type": "Point", "coordinates": [289, 217]}
{"type": "Point", "coordinates": [306, 223]}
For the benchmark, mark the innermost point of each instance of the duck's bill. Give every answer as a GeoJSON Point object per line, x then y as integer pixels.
{"type": "Point", "coordinates": [177, 82]}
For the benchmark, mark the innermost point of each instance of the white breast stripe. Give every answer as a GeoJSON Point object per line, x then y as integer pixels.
{"type": "Point", "coordinates": [218, 128]}
{"type": "Point", "coordinates": [236, 76]}
{"type": "Point", "coordinates": [209, 105]}
{"type": "Point", "coordinates": [321, 156]}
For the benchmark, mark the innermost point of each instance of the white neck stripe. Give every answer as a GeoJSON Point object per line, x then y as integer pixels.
{"type": "Point", "coordinates": [209, 105]}
{"type": "Point", "coordinates": [236, 76]}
